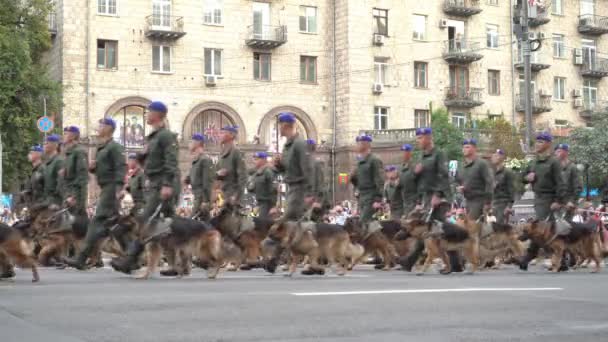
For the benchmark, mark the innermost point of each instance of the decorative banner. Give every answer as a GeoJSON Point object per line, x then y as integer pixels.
{"type": "Point", "coordinates": [343, 178]}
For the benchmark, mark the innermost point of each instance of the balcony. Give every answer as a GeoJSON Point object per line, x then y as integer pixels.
{"type": "Point", "coordinates": [592, 24]}
{"type": "Point", "coordinates": [461, 8]}
{"type": "Point", "coordinates": [591, 109]}
{"type": "Point", "coordinates": [164, 27]}
{"type": "Point", "coordinates": [596, 68]}
{"type": "Point", "coordinates": [541, 103]}
{"type": "Point", "coordinates": [391, 135]}
{"type": "Point", "coordinates": [460, 51]}
{"type": "Point", "coordinates": [463, 97]}
{"type": "Point", "coordinates": [538, 62]}
{"type": "Point", "coordinates": [266, 37]}
{"type": "Point", "coordinates": [538, 16]}
{"type": "Point", "coordinates": [53, 24]}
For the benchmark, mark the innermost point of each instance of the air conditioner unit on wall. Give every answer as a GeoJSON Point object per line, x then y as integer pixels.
{"type": "Point", "coordinates": [576, 93]}
{"type": "Point", "coordinates": [578, 103]}
{"type": "Point", "coordinates": [443, 23]}
{"type": "Point", "coordinates": [531, 35]}
{"type": "Point", "coordinates": [378, 39]}
{"type": "Point", "coordinates": [210, 81]}
{"type": "Point", "coordinates": [378, 88]}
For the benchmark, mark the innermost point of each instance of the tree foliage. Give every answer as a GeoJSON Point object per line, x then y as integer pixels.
{"type": "Point", "coordinates": [24, 81]}
{"type": "Point", "coordinates": [588, 146]}
{"type": "Point", "coordinates": [446, 136]}
{"type": "Point", "coordinates": [500, 134]}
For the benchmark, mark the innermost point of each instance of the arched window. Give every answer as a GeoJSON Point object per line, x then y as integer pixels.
{"type": "Point", "coordinates": [273, 139]}
{"type": "Point", "coordinates": [209, 123]}
{"type": "Point", "coordinates": [131, 126]}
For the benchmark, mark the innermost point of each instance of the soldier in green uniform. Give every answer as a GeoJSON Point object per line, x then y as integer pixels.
{"type": "Point", "coordinates": [319, 186]}
{"type": "Point", "coordinates": [407, 181]}
{"type": "Point", "coordinates": [545, 176]}
{"type": "Point", "coordinates": [34, 190]}
{"type": "Point", "coordinates": [201, 176]}
{"type": "Point", "coordinates": [52, 166]}
{"type": "Point", "coordinates": [572, 181]}
{"type": "Point", "coordinates": [296, 165]}
{"type": "Point", "coordinates": [368, 179]}
{"type": "Point", "coordinates": [263, 184]}
{"type": "Point", "coordinates": [475, 181]}
{"type": "Point", "coordinates": [75, 172]}
{"type": "Point", "coordinates": [109, 168]}
{"type": "Point", "coordinates": [392, 195]}
{"type": "Point", "coordinates": [504, 188]}
{"type": "Point", "coordinates": [137, 182]}
{"type": "Point", "coordinates": [161, 172]}
{"type": "Point", "coordinates": [232, 172]}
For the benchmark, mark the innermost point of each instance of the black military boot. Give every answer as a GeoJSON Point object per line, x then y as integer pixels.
{"type": "Point", "coordinates": [455, 261]}
{"type": "Point", "coordinates": [7, 272]}
{"type": "Point", "coordinates": [79, 262]}
{"type": "Point", "coordinates": [408, 262]}
{"type": "Point", "coordinates": [524, 261]}
{"type": "Point", "coordinates": [169, 273]}
{"type": "Point", "coordinates": [129, 263]}
{"type": "Point", "coordinates": [271, 265]}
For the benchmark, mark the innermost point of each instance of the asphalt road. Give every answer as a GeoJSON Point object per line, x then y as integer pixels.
{"type": "Point", "coordinates": [366, 305]}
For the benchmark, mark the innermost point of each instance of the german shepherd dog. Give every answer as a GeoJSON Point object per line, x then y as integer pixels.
{"type": "Point", "coordinates": [582, 240]}
{"type": "Point", "coordinates": [439, 238]}
{"type": "Point", "coordinates": [374, 242]}
{"type": "Point", "coordinates": [497, 241]}
{"type": "Point", "coordinates": [315, 240]}
{"type": "Point", "coordinates": [13, 247]}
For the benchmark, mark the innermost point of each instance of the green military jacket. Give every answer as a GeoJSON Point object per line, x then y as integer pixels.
{"type": "Point", "coordinates": [75, 171]}
{"type": "Point", "coordinates": [52, 183]}
{"type": "Point", "coordinates": [504, 188]}
{"type": "Point", "coordinates": [548, 181]}
{"type": "Point", "coordinates": [319, 187]}
{"type": "Point", "coordinates": [201, 178]}
{"type": "Point", "coordinates": [434, 177]}
{"type": "Point", "coordinates": [137, 183]}
{"type": "Point", "coordinates": [407, 185]}
{"type": "Point", "coordinates": [369, 177]}
{"type": "Point", "coordinates": [161, 158]}
{"type": "Point", "coordinates": [572, 182]}
{"type": "Point", "coordinates": [393, 196]}
{"type": "Point", "coordinates": [476, 179]}
{"type": "Point", "coordinates": [231, 160]}
{"type": "Point", "coordinates": [263, 185]}
{"type": "Point", "coordinates": [296, 164]}
{"type": "Point", "coordinates": [35, 185]}
{"type": "Point", "coordinates": [110, 164]}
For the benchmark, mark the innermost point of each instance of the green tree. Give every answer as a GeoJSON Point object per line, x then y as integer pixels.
{"type": "Point", "coordinates": [446, 136]}
{"type": "Point", "coordinates": [24, 80]}
{"type": "Point", "coordinates": [588, 146]}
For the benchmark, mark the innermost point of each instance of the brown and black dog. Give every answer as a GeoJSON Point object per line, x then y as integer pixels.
{"type": "Point", "coordinates": [56, 231]}
{"type": "Point", "coordinates": [13, 247]}
{"type": "Point", "coordinates": [582, 240]}
{"type": "Point", "coordinates": [375, 242]}
{"type": "Point", "coordinates": [497, 241]}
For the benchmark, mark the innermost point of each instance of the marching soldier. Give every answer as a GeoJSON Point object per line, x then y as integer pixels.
{"type": "Point", "coordinates": [137, 182]}
{"type": "Point", "coordinates": [161, 172]}
{"type": "Point", "coordinates": [571, 178]}
{"type": "Point", "coordinates": [545, 176]}
{"type": "Point", "coordinates": [109, 167]}
{"type": "Point", "coordinates": [201, 176]}
{"type": "Point", "coordinates": [35, 186]}
{"type": "Point", "coordinates": [263, 185]}
{"type": "Point", "coordinates": [75, 172]}
{"type": "Point", "coordinates": [368, 179]}
{"type": "Point", "coordinates": [475, 181]}
{"type": "Point", "coordinates": [232, 171]}
{"type": "Point", "coordinates": [319, 186]}
{"type": "Point", "coordinates": [52, 166]}
{"type": "Point", "coordinates": [504, 188]}
{"type": "Point", "coordinates": [407, 181]}
{"type": "Point", "coordinates": [392, 195]}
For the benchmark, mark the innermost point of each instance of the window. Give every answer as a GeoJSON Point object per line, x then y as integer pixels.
{"type": "Point", "coordinates": [559, 88]}
{"type": "Point", "coordinates": [107, 7]}
{"type": "Point", "coordinates": [213, 62]}
{"type": "Point", "coordinates": [261, 66]}
{"type": "Point", "coordinates": [494, 117]}
{"type": "Point", "coordinates": [419, 28]}
{"type": "Point", "coordinates": [420, 74]}
{"type": "Point", "coordinates": [459, 120]}
{"type": "Point", "coordinates": [106, 54]}
{"type": "Point", "coordinates": [559, 48]}
{"type": "Point", "coordinates": [380, 21]}
{"type": "Point", "coordinates": [380, 118]}
{"type": "Point", "coordinates": [557, 7]}
{"type": "Point", "coordinates": [421, 118]}
{"type": "Point", "coordinates": [587, 7]}
{"type": "Point", "coordinates": [561, 123]}
{"type": "Point", "coordinates": [212, 14]}
{"type": "Point", "coordinates": [590, 94]}
{"type": "Point", "coordinates": [493, 2]}
{"type": "Point", "coordinates": [308, 69]}
{"type": "Point", "coordinates": [161, 58]}
{"type": "Point", "coordinates": [492, 36]}
{"type": "Point", "coordinates": [380, 69]}
{"type": "Point", "coordinates": [308, 19]}
{"type": "Point", "coordinates": [493, 82]}
{"type": "Point", "coordinates": [161, 13]}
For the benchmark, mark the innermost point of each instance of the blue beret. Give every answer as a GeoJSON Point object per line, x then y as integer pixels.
{"type": "Point", "coordinates": [231, 129]}
{"type": "Point", "coordinates": [53, 138]}
{"type": "Point", "coordinates": [500, 151]}
{"type": "Point", "coordinates": [311, 142]}
{"type": "Point", "coordinates": [132, 155]}
{"type": "Point", "coordinates": [424, 131]}
{"type": "Point", "coordinates": [36, 148]}
{"type": "Point", "coordinates": [564, 147]}
{"type": "Point", "coordinates": [544, 136]}
{"type": "Point", "coordinates": [72, 129]}
{"type": "Point", "coordinates": [260, 155]}
{"type": "Point", "coordinates": [364, 138]}
{"type": "Point", "coordinates": [407, 147]}
{"type": "Point", "coordinates": [108, 122]}
{"type": "Point", "coordinates": [470, 142]}
{"type": "Point", "coordinates": [198, 137]}
{"type": "Point", "coordinates": [158, 106]}
{"type": "Point", "coordinates": [390, 168]}
{"type": "Point", "coordinates": [287, 118]}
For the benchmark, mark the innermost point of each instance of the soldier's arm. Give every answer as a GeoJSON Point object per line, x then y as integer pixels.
{"type": "Point", "coordinates": [207, 178]}
{"type": "Point", "coordinates": [489, 182]}
{"type": "Point", "coordinates": [443, 181]}
{"type": "Point", "coordinates": [169, 149]}
{"type": "Point", "coordinates": [82, 168]}
{"type": "Point", "coordinates": [560, 185]}
{"type": "Point", "coordinates": [57, 190]}
{"type": "Point", "coordinates": [241, 170]}
{"type": "Point", "coordinates": [120, 165]}
{"type": "Point", "coordinates": [306, 168]}
{"type": "Point", "coordinates": [378, 178]}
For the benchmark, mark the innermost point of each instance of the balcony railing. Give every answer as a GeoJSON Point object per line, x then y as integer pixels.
{"type": "Point", "coordinates": [391, 135]}
{"type": "Point", "coordinates": [591, 109]}
{"type": "Point", "coordinates": [463, 97]}
{"type": "Point", "coordinates": [164, 27]}
{"type": "Point", "coordinates": [462, 8]}
{"type": "Point", "coordinates": [596, 68]}
{"type": "Point", "coordinates": [538, 61]}
{"type": "Point", "coordinates": [541, 103]}
{"type": "Point", "coordinates": [461, 51]}
{"type": "Point", "coordinates": [592, 24]}
{"type": "Point", "coordinates": [53, 24]}
{"type": "Point", "coordinates": [266, 37]}
{"type": "Point", "coordinates": [538, 15]}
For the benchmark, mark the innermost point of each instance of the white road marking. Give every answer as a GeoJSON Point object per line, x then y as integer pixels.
{"type": "Point", "coordinates": [470, 289]}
